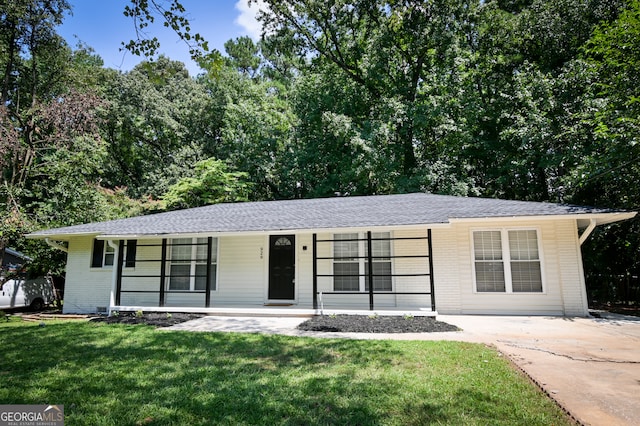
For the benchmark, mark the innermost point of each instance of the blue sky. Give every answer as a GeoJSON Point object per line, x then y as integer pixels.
{"type": "Point", "coordinates": [101, 25]}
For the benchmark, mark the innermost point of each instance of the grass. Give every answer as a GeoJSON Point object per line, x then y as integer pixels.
{"type": "Point", "coordinates": [137, 375]}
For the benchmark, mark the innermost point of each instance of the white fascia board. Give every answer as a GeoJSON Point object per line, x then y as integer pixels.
{"type": "Point", "coordinates": [271, 232]}
{"type": "Point", "coordinates": [61, 237]}
{"type": "Point", "coordinates": [600, 218]}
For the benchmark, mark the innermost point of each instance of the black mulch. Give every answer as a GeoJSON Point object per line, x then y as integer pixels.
{"type": "Point", "coordinates": [156, 319]}
{"type": "Point", "coordinates": [375, 324]}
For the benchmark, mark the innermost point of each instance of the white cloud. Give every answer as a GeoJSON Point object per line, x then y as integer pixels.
{"type": "Point", "coordinates": [247, 17]}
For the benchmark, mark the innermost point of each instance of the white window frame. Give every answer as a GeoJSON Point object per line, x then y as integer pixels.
{"type": "Point", "coordinates": [107, 252]}
{"type": "Point", "coordinates": [506, 261]}
{"type": "Point", "coordinates": [362, 261]}
{"type": "Point", "coordinates": [193, 263]}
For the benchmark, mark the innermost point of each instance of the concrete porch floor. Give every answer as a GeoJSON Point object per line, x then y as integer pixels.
{"type": "Point", "coordinates": [277, 311]}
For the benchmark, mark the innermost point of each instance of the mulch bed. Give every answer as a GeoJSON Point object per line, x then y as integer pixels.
{"type": "Point", "coordinates": [375, 324]}
{"type": "Point", "coordinates": [156, 319]}
{"type": "Point", "coordinates": [327, 323]}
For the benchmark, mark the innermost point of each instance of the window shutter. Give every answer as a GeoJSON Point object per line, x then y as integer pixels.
{"type": "Point", "coordinates": [131, 253]}
{"type": "Point", "coordinates": [98, 251]}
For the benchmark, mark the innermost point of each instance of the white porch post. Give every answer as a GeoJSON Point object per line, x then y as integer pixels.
{"type": "Point", "coordinates": [114, 274]}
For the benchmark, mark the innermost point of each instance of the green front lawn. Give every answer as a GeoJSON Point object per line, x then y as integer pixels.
{"type": "Point", "coordinates": [129, 375]}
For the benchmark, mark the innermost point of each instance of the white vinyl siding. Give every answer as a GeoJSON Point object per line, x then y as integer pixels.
{"type": "Point", "coordinates": [507, 261]}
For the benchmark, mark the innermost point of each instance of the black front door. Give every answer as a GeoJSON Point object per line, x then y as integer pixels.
{"type": "Point", "coordinates": [282, 270]}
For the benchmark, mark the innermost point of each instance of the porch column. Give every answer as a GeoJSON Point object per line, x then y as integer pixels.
{"type": "Point", "coordinates": [431, 282]}
{"type": "Point", "coordinates": [119, 262]}
{"type": "Point", "coordinates": [370, 263]}
{"type": "Point", "coordinates": [114, 276]}
{"type": "Point", "coordinates": [207, 297]}
{"type": "Point", "coordinates": [163, 271]}
{"type": "Point", "coordinates": [314, 254]}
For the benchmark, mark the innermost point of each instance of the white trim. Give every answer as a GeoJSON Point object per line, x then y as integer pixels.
{"type": "Point", "coordinates": [600, 218]}
{"type": "Point", "coordinates": [55, 245]}
{"type": "Point", "coordinates": [506, 260]}
{"type": "Point", "coordinates": [583, 282]}
{"type": "Point", "coordinates": [381, 228]}
{"type": "Point", "coordinates": [114, 274]}
{"type": "Point", "coordinates": [585, 234]}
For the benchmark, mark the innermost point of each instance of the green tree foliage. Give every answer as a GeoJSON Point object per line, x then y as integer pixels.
{"type": "Point", "coordinates": [243, 55]}
{"type": "Point", "coordinates": [154, 126]}
{"type": "Point", "coordinates": [391, 53]}
{"type": "Point", "coordinates": [43, 119]}
{"type": "Point", "coordinates": [611, 169]}
{"type": "Point", "coordinates": [51, 151]}
{"type": "Point", "coordinates": [212, 183]}
{"type": "Point", "coordinates": [173, 15]}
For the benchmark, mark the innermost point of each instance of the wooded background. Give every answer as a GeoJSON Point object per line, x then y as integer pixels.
{"type": "Point", "coordinates": [518, 99]}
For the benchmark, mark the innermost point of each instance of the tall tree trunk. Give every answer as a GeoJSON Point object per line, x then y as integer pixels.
{"type": "Point", "coordinates": [6, 80]}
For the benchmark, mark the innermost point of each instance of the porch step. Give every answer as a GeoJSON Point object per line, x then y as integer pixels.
{"type": "Point", "coordinates": [277, 311]}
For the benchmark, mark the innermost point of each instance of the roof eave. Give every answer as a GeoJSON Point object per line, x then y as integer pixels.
{"type": "Point", "coordinates": [600, 218]}
{"type": "Point", "coordinates": [61, 236]}
{"type": "Point", "coordinates": [297, 231]}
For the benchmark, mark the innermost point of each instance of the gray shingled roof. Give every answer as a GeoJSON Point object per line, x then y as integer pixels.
{"type": "Point", "coordinates": [321, 213]}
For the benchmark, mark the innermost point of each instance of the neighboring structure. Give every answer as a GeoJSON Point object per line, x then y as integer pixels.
{"type": "Point", "coordinates": [453, 255]}
{"type": "Point", "coordinates": [13, 260]}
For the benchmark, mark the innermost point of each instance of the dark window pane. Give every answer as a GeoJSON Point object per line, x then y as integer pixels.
{"type": "Point", "coordinates": [346, 277]}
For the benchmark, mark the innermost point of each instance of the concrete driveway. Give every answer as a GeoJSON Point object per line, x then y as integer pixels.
{"type": "Point", "coordinates": [590, 366]}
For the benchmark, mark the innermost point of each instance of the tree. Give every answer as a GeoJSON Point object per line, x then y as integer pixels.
{"type": "Point", "coordinates": [609, 172]}
{"type": "Point", "coordinates": [41, 113]}
{"type": "Point", "coordinates": [154, 126]}
{"type": "Point", "coordinates": [173, 15]}
{"type": "Point", "coordinates": [212, 183]}
{"type": "Point", "coordinates": [388, 49]}
{"type": "Point", "coordinates": [243, 55]}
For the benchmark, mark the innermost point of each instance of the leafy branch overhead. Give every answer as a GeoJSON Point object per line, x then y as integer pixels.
{"type": "Point", "coordinates": [212, 183]}
{"type": "Point", "coordinates": [174, 16]}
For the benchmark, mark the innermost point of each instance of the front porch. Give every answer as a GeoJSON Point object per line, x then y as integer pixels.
{"type": "Point", "coordinates": [234, 275]}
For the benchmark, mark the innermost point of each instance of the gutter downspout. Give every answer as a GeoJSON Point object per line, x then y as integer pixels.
{"type": "Point", "coordinates": [56, 245]}
{"type": "Point", "coordinates": [114, 275]}
{"type": "Point", "coordinates": [587, 231]}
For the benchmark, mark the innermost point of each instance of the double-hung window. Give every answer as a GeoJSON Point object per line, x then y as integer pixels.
{"type": "Point", "coordinates": [507, 261]}
{"type": "Point", "coordinates": [351, 266]}
{"type": "Point", "coordinates": [188, 264]}
{"type": "Point", "coordinates": [103, 255]}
